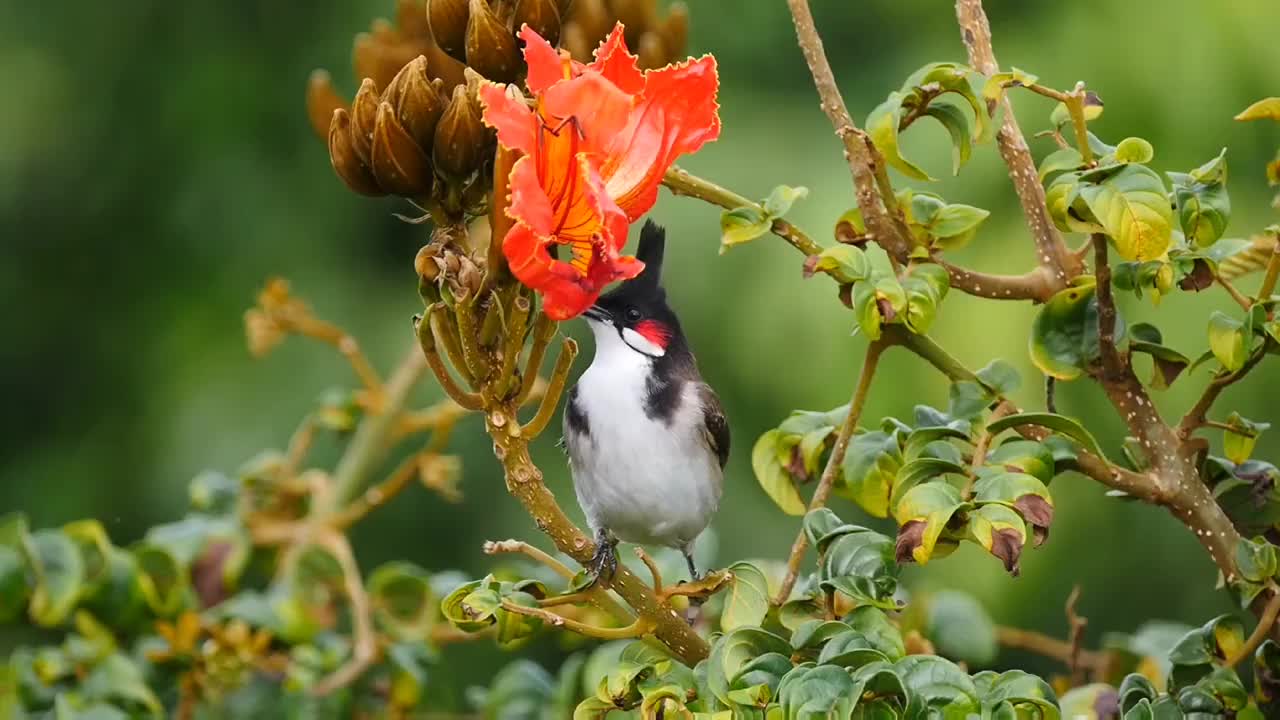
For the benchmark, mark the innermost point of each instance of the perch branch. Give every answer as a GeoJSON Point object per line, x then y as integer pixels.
{"type": "Point", "coordinates": [596, 596]}
{"type": "Point", "coordinates": [836, 459]}
{"type": "Point", "coordinates": [1050, 647]}
{"type": "Point", "coordinates": [1051, 251]}
{"type": "Point", "coordinates": [1036, 285]}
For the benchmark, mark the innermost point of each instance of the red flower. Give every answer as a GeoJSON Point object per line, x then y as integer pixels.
{"type": "Point", "coordinates": [595, 147]}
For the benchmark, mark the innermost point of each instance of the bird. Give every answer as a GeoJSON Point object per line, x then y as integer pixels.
{"type": "Point", "coordinates": [646, 436]}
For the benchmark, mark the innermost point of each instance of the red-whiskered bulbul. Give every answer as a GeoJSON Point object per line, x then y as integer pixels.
{"type": "Point", "coordinates": [646, 437]}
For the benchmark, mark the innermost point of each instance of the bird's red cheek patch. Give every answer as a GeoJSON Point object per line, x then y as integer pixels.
{"type": "Point", "coordinates": [655, 332]}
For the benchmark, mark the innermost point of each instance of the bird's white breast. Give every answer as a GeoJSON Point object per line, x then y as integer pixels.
{"type": "Point", "coordinates": [648, 480]}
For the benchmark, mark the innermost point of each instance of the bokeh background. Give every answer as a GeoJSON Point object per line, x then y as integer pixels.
{"type": "Point", "coordinates": [156, 167]}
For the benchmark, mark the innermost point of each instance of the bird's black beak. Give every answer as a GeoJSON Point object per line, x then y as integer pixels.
{"type": "Point", "coordinates": [597, 313]}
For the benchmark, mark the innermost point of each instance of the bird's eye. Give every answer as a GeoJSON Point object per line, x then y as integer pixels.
{"type": "Point", "coordinates": [633, 314]}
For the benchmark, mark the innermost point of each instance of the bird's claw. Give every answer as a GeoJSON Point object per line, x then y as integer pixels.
{"type": "Point", "coordinates": [605, 562]}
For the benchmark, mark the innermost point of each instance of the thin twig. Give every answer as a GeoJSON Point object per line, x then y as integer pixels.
{"type": "Point", "coordinates": [984, 442]}
{"type": "Point", "coordinates": [658, 587]}
{"type": "Point", "coordinates": [1076, 637]}
{"type": "Point", "coordinates": [834, 462]}
{"type": "Point", "coordinates": [473, 355]}
{"type": "Point", "coordinates": [365, 645]}
{"type": "Point", "coordinates": [1244, 302]}
{"type": "Point", "coordinates": [597, 596]}
{"type": "Point", "coordinates": [300, 444]}
{"type": "Point", "coordinates": [858, 152]}
{"type": "Point", "coordinates": [1049, 647]}
{"type": "Point", "coordinates": [1273, 273]}
{"type": "Point", "coordinates": [555, 388]}
{"type": "Point", "coordinates": [1195, 417]}
{"type": "Point", "coordinates": [1262, 631]}
{"type": "Point", "coordinates": [1051, 251]}
{"type": "Point", "coordinates": [681, 182]}
{"type": "Point", "coordinates": [639, 627]}
{"type": "Point", "coordinates": [378, 495]}
{"type": "Point", "coordinates": [446, 332]}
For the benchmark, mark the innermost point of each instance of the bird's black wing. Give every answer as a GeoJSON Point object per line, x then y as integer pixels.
{"type": "Point", "coordinates": [715, 427]}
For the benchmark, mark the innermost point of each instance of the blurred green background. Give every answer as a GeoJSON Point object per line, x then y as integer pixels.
{"type": "Point", "coordinates": [156, 166]}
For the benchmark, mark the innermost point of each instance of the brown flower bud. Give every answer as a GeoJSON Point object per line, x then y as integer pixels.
{"type": "Point", "coordinates": [398, 163]}
{"type": "Point", "coordinates": [541, 15]}
{"type": "Point", "coordinates": [364, 113]}
{"type": "Point", "coordinates": [460, 134]}
{"type": "Point", "coordinates": [448, 21]}
{"type": "Point", "coordinates": [417, 100]}
{"type": "Point", "coordinates": [596, 22]}
{"type": "Point", "coordinates": [490, 45]}
{"type": "Point", "coordinates": [636, 16]}
{"type": "Point", "coordinates": [443, 66]}
{"type": "Point", "coordinates": [574, 39]}
{"type": "Point", "coordinates": [411, 20]}
{"type": "Point", "coordinates": [424, 262]}
{"type": "Point", "coordinates": [322, 100]}
{"type": "Point", "coordinates": [651, 51]}
{"type": "Point", "coordinates": [675, 30]}
{"type": "Point", "coordinates": [345, 161]}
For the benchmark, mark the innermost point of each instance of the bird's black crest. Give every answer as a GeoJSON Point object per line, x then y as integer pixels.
{"type": "Point", "coordinates": [653, 241]}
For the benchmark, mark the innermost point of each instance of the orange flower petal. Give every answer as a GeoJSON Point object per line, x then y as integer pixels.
{"type": "Point", "coordinates": [591, 105]}
{"type": "Point", "coordinates": [510, 116]}
{"type": "Point", "coordinates": [617, 64]}
{"type": "Point", "coordinates": [546, 65]}
{"type": "Point", "coordinates": [677, 114]}
{"type": "Point", "coordinates": [529, 204]}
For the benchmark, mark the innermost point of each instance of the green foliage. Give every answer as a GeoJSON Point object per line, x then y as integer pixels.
{"type": "Point", "coordinates": [924, 94]}
{"type": "Point", "coordinates": [744, 224]}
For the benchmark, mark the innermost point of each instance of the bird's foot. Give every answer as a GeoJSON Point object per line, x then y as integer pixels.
{"type": "Point", "coordinates": [605, 561]}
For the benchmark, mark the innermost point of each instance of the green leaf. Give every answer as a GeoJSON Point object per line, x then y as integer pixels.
{"type": "Point", "coordinates": [867, 310]}
{"type": "Point", "coordinates": [1256, 559]}
{"type": "Point", "coordinates": [937, 687]}
{"type": "Point", "coordinates": [957, 126]}
{"type": "Point", "coordinates": [925, 288]}
{"type": "Point", "coordinates": [1018, 691]}
{"type": "Point", "coordinates": [1000, 377]}
{"type": "Point", "coordinates": [960, 628]}
{"type": "Point", "coordinates": [879, 632]}
{"type": "Point", "coordinates": [471, 607]}
{"type": "Point", "coordinates": [58, 570]}
{"type": "Point", "coordinates": [921, 470]}
{"type": "Point", "coordinates": [1058, 423]}
{"type": "Point", "coordinates": [882, 127]}
{"type": "Point", "coordinates": [955, 225]}
{"type": "Point", "coordinates": [1064, 335]}
{"type": "Point", "coordinates": [13, 584]}
{"type": "Point", "coordinates": [1134, 150]}
{"type": "Point", "coordinates": [1213, 642]}
{"type": "Point", "coordinates": [747, 600]}
{"type": "Point", "coordinates": [773, 477]}
{"type": "Point", "coordinates": [742, 225]}
{"type": "Point", "coordinates": [782, 198]}
{"type": "Point", "coordinates": [1133, 210]}
{"type": "Point", "coordinates": [1228, 340]}
{"type": "Point", "coordinates": [1026, 456]}
{"type": "Point", "coordinates": [117, 679]}
{"type": "Point", "coordinates": [1265, 109]}
{"type": "Point", "coordinates": [1169, 363]}
{"type": "Point", "coordinates": [1003, 532]}
{"type": "Point", "coordinates": [997, 83]}
{"type": "Point", "coordinates": [922, 515]}
{"type": "Point", "coordinates": [1238, 442]}
{"type": "Point", "coordinates": [856, 561]}
{"type": "Point", "coordinates": [824, 691]}
{"type": "Point", "coordinates": [162, 579]}
{"type": "Point", "coordinates": [733, 652]}
{"type": "Point", "coordinates": [871, 464]}
{"type": "Point", "coordinates": [1202, 202]}
{"type": "Point", "coordinates": [845, 263]}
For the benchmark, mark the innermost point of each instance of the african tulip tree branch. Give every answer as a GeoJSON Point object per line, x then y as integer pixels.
{"type": "Point", "coordinates": [681, 182]}
{"type": "Point", "coordinates": [869, 364]}
{"type": "Point", "coordinates": [1052, 252]}
{"type": "Point", "coordinates": [858, 150]}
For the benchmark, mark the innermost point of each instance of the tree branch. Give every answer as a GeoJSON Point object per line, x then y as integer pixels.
{"type": "Point", "coordinates": [1195, 417]}
{"type": "Point", "coordinates": [857, 148]}
{"type": "Point", "coordinates": [869, 364]}
{"type": "Point", "coordinates": [1036, 285]}
{"type": "Point", "coordinates": [1051, 251]}
{"type": "Point", "coordinates": [681, 182]}
{"type": "Point", "coordinates": [1260, 633]}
